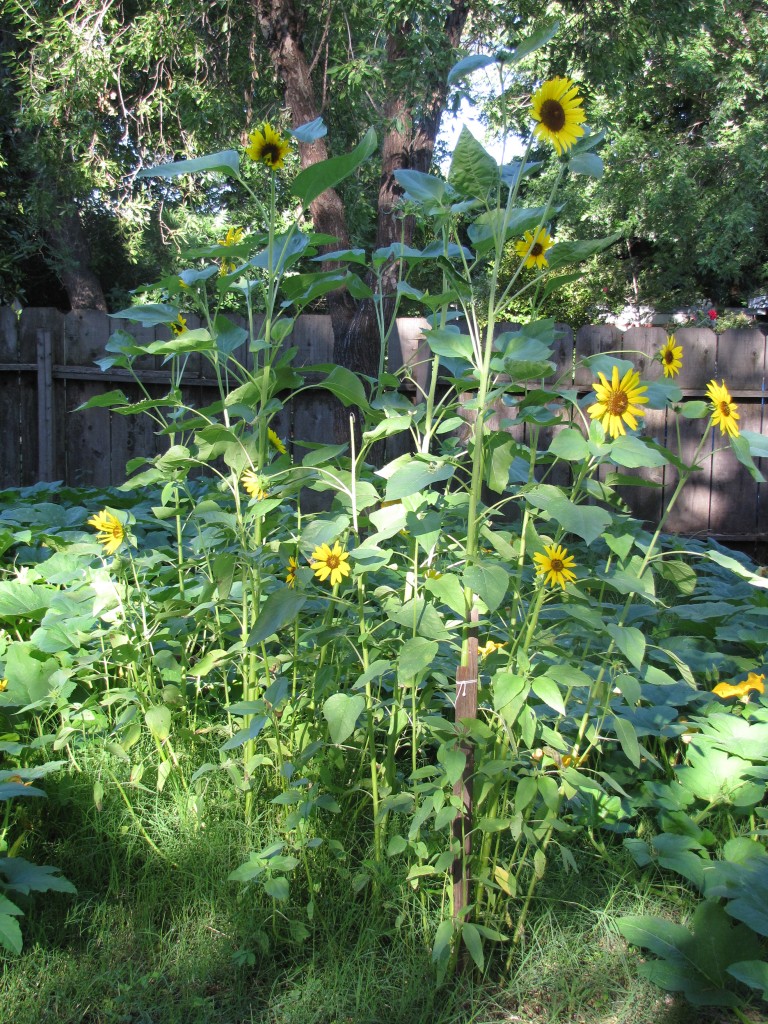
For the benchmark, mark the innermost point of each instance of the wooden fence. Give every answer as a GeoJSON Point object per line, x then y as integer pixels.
{"type": "Point", "coordinates": [47, 370]}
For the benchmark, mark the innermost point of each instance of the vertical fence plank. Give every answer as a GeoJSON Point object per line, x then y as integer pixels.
{"type": "Point", "coordinates": [88, 435]}
{"type": "Point", "coordinates": [32, 322]}
{"type": "Point", "coordinates": [11, 383]}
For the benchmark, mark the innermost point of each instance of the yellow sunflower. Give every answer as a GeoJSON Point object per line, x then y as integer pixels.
{"type": "Point", "coordinates": [110, 531]}
{"type": "Point", "coordinates": [254, 485]}
{"type": "Point", "coordinates": [724, 413]}
{"type": "Point", "coordinates": [617, 403]}
{"type": "Point", "coordinates": [179, 325]}
{"type": "Point", "coordinates": [533, 249]}
{"type": "Point", "coordinates": [743, 689]}
{"type": "Point", "coordinates": [3, 685]}
{"type": "Point", "coordinates": [333, 562]}
{"type": "Point", "coordinates": [275, 441]}
{"type": "Point", "coordinates": [556, 105]}
{"type": "Point", "coordinates": [233, 236]}
{"type": "Point", "coordinates": [555, 565]}
{"type": "Point", "coordinates": [268, 147]}
{"type": "Point", "coordinates": [290, 576]}
{"type": "Point", "coordinates": [671, 357]}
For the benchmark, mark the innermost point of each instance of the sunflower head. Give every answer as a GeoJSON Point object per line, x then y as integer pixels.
{"type": "Point", "coordinates": [555, 565]}
{"type": "Point", "coordinates": [556, 106]}
{"type": "Point", "coordinates": [618, 402]}
{"type": "Point", "coordinates": [330, 563]}
{"type": "Point", "coordinates": [267, 147]}
{"type": "Point", "coordinates": [533, 248]}
{"type": "Point", "coordinates": [232, 237]}
{"type": "Point", "coordinates": [179, 325]}
{"type": "Point", "coordinates": [275, 441]}
{"type": "Point", "coordinates": [110, 532]}
{"type": "Point", "coordinates": [293, 567]}
{"type": "Point", "coordinates": [724, 409]}
{"type": "Point", "coordinates": [254, 485]}
{"type": "Point", "coordinates": [671, 357]}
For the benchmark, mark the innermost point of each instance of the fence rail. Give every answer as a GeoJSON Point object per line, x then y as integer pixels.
{"type": "Point", "coordinates": [47, 369]}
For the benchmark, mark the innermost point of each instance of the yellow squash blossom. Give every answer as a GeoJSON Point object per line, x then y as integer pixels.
{"type": "Point", "coordinates": [254, 485]}
{"type": "Point", "coordinates": [489, 648]}
{"type": "Point", "coordinates": [742, 689]}
{"type": "Point", "coordinates": [330, 562]}
{"type": "Point", "coordinates": [533, 249]}
{"type": "Point", "coordinates": [617, 403]}
{"type": "Point", "coordinates": [724, 413]}
{"type": "Point", "coordinates": [275, 441]}
{"type": "Point", "coordinates": [555, 565]}
{"type": "Point", "coordinates": [290, 576]}
{"type": "Point", "coordinates": [110, 531]}
{"type": "Point", "coordinates": [671, 356]}
{"type": "Point", "coordinates": [268, 147]}
{"type": "Point", "coordinates": [556, 105]}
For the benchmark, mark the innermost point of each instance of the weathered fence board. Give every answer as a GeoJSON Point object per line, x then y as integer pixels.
{"type": "Point", "coordinates": [47, 370]}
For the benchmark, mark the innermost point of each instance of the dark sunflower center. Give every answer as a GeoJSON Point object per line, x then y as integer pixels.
{"type": "Point", "coordinates": [270, 154]}
{"type": "Point", "coordinates": [537, 250]}
{"type": "Point", "coordinates": [553, 115]}
{"type": "Point", "coordinates": [725, 409]}
{"type": "Point", "coordinates": [669, 356]}
{"type": "Point", "coordinates": [332, 561]}
{"type": "Point", "coordinates": [556, 565]}
{"type": "Point", "coordinates": [117, 530]}
{"type": "Point", "coordinates": [618, 403]}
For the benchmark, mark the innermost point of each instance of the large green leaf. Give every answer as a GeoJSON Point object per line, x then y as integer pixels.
{"type": "Point", "coordinates": [313, 181]}
{"type": "Point", "coordinates": [412, 476]}
{"type": "Point", "coordinates": [489, 582]}
{"type": "Point", "coordinates": [226, 162]}
{"type": "Point", "coordinates": [585, 521]}
{"type": "Point", "coordinates": [563, 253]}
{"type": "Point", "coordinates": [341, 711]}
{"type": "Point", "coordinates": [473, 171]}
{"type": "Point", "coordinates": [281, 607]}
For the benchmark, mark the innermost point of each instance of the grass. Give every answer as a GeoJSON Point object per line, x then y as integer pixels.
{"type": "Point", "coordinates": [169, 940]}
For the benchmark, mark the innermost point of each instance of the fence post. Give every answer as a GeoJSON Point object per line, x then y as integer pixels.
{"type": "Point", "coordinates": [45, 405]}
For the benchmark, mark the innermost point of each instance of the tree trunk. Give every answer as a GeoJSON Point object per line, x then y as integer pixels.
{"type": "Point", "coordinates": [72, 261]}
{"type": "Point", "coordinates": [405, 144]}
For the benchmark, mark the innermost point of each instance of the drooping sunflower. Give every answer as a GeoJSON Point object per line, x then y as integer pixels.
{"type": "Point", "coordinates": [268, 147]}
{"type": "Point", "coordinates": [110, 531]}
{"type": "Point", "coordinates": [671, 357]}
{"type": "Point", "coordinates": [617, 403]}
{"type": "Point", "coordinates": [333, 562]}
{"type": "Point", "coordinates": [556, 105]}
{"type": "Point", "coordinates": [290, 576]}
{"type": "Point", "coordinates": [743, 689]}
{"type": "Point", "coordinates": [254, 485]}
{"type": "Point", "coordinates": [533, 249]}
{"type": "Point", "coordinates": [179, 325]}
{"type": "Point", "coordinates": [724, 414]}
{"type": "Point", "coordinates": [275, 441]}
{"type": "Point", "coordinates": [555, 565]}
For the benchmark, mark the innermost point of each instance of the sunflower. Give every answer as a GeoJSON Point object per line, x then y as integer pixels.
{"type": "Point", "coordinates": [233, 236]}
{"type": "Point", "coordinates": [275, 441]}
{"type": "Point", "coordinates": [268, 147]}
{"type": "Point", "coordinates": [671, 356]}
{"type": "Point", "coordinates": [743, 689]}
{"type": "Point", "coordinates": [111, 532]}
{"type": "Point", "coordinates": [290, 576]}
{"type": "Point", "coordinates": [617, 402]}
{"type": "Point", "coordinates": [556, 105]}
{"type": "Point", "coordinates": [555, 565]}
{"type": "Point", "coordinates": [254, 485]}
{"type": "Point", "coordinates": [179, 325]}
{"type": "Point", "coordinates": [724, 413]}
{"type": "Point", "coordinates": [333, 562]}
{"type": "Point", "coordinates": [532, 248]}
{"type": "Point", "coordinates": [3, 685]}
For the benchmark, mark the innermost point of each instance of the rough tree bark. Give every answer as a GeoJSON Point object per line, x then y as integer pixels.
{"type": "Point", "coordinates": [71, 254]}
{"type": "Point", "coordinates": [408, 142]}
